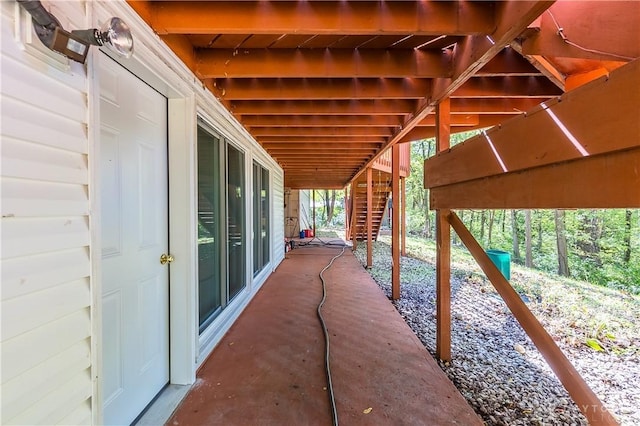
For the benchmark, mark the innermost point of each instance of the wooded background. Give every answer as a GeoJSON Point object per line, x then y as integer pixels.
{"type": "Point", "coordinates": [598, 246]}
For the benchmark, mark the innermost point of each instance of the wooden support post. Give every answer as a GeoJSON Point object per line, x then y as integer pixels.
{"type": "Point", "coordinates": [403, 213]}
{"type": "Point", "coordinates": [347, 213]}
{"type": "Point", "coordinates": [443, 244]}
{"type": "Point", "coordinates": [395, 222]}
{"type": "Point", "coordinates": [587, 401]}
{"type": "Point", "coordinates": [354, 218]}
{"type": "Point", "coordinates": [369, 217]}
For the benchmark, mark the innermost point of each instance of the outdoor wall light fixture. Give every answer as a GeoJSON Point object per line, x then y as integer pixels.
{"type": "Point", "coordinates": [115, 34]}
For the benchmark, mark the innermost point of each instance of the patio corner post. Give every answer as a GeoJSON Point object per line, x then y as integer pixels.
{"type": "Point", "coordinates": [369, 217]}
{"type": "Point", "coordinates": [443, 246]}
{"type": "Point", "coordinates": [395, 222]}
{"type": "Point", "coordinates": [354, 215]}
{"type": "Point", "coordinates": [403, 212]}
{"type": "Point", "coordinates": [347, 212]}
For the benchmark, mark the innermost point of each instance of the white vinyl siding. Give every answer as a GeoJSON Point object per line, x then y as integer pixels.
{"type": "Point", "coordinates": [278, 217]}
{"type": "Point", "coordinates": [46, 288]}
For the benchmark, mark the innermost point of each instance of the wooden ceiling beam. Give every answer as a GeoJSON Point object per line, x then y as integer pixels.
{"type": "Point", "coordinates": [321, 120]}
{"type": "Point", "coordinates": [322, 139]}
{"type": "Point", "coordinates": [493, 105]}
{"type": "Point", "coordinates": [507, 87]}
{"type": "Point", "coordinates": [320, 88]}
{"type": "Point", "coordinates": [319, 145]}
{"type": "Point", "coordinates": [183, 48]}
{"type": "Point", "coordinates": [334, 132]}
{"type": "Point", "coordinates": [471, 54]}
{"type": "Point", "coordinates": [543, 65]}
{"type": "Point", "coordinates": [393, 88]}
{"type": "Point", "coordinates": [357, 107]}
{"type": "Point", "coordinates": [424, 132]}
{"type": "Point", "coordinates": [458, 120]}
{"type": "Point", "coordinates": [508, 62]}
{"type": "Point", "coordinates": [321, 63]}
{"type": "Point", "coordinates": [603, 32]}
{"type": "Point", "coordinates": [327, 17]}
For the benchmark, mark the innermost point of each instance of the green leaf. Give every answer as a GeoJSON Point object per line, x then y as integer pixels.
{"type": "Point", "coordinates": [594, 344]}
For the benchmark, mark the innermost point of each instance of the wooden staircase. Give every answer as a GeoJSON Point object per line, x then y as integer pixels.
{"type": "Point", "coordinates": [381, 190]}
{"type": "Point", "coordinates": [356, 223]}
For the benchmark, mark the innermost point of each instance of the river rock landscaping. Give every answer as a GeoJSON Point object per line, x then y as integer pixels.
{"type": "Point", "coordinates": [494, 364]}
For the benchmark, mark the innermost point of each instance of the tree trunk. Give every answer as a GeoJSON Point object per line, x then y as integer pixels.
{"type": "Point", "coordinates": [627, 236]}
{"type": "Point", "coordinates": [492, 214]}
{"type": "Point", "coordinates": [514, 232]}
{"type": "Point", "coordinates": [528, 256]}
{"type": "Point", "coordinates": [589, 241]}
{"type": "Point", "coordinates": [539, 244]}
{"type": "Point", "coordinates": [425, 197]}
{"type": "Point", "coordinates": [330, 204]}
{"type": "Point", "coordinates": [561, 240]}
{"type": "Point", "coordinates": [483, 216]}
{"type": "Point", "coordinates": [503, 219]}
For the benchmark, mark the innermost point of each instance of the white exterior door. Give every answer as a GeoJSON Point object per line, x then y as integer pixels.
{"type": "Point", "coordinates": [134, 206]}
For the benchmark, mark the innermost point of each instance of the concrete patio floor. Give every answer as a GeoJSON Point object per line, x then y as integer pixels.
{"type": "Point", "coordinates": [269, 368]}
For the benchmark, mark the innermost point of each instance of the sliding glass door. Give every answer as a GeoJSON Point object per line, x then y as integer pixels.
{"type": "Point", "coordinates": [222, 254]}
{"type": "Point", "coordinates": [260, 217]}
{"type": "Point", "coordinates": [236, 219]}
{"type": "Point", "coordinates": [210, 233]}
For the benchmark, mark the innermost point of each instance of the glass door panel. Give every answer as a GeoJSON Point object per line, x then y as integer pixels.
{"type": "Point", "coordinates": [236, 219]}
{"type": "Point", "coordinates": [210, 288]}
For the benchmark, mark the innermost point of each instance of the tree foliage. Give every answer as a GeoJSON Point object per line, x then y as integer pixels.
{"type": "Point", "coordinates": [602, 246]}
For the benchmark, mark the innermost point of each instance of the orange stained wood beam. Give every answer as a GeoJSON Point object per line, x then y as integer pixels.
{"type": "Point", "coordinates": [302, 155]}
{"type": "Point", "coordinates": [493, 105]}
{"type": "Point", "coordinates": [456, 120]}
{"type": "Point", "coordinates": [321, 88]}
{"type": "Point", "coordinates": [354, 216]}
{"type": "Point", "coordinates": [384, 88]}
{"type": "Point", "coordinates": [424, 132]}
{"type": "Point", "coordinates": [321, 141]}
{"type": "Point", "coordinates": [321, 63]}
{"type": "Point", "coordinates": [611, 33]}
{"type": "Point", "coordinates": [369, 217]}
{"type": "Point", "coordinates": [541, 64]}
{"type": "Point", "coordinates": [612, 180]}
{"type": "Point", "coordinates": [348, 194]}
{"type": "Point", "coordinates": [443, 249]}
{"type": "Point", "coordinates": [320, 120]}
{"type": "Point", "coordinates": [508, 62]}
{"type": "Point", "coordinates": [508, 87]}
{"type": "Point", "coordinates": [592, 408]}
{"type": "Point", "coordinates": [576, 80]}
{"type": "Point", "coordinates": [403, 215]}
{"type": "Point", "coordinates": [183, 48]}
{"type": "Point", "coordinates": [395, 222]}
{"type": "Point", "coordinates": [357, 107]}
{"type": "Point", "coordinates": [319, 156]}
{"type": "Point", "coordinates": [335, 132]}
{"type": "Point", "coordinates": [596, 118]}
{"type": "Point", "coordinates": [472, 53]}
{"type": "Point", "coordinates": [293, 166]}
{"type": "Point", "coordinates": [330, 17]}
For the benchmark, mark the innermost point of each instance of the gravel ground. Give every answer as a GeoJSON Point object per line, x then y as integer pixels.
{"type": "Point", "coordinates": [494, 364]}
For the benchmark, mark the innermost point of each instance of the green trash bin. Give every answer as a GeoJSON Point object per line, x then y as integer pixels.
{"type": "Point", "coordinates": [502, 260]}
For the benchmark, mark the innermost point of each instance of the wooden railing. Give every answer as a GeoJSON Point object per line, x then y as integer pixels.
{"type": "Point", "coordinates": [383, 162]}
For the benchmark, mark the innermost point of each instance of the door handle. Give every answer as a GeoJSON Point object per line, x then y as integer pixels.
{"type": "Point", "coordinates": [165, 258]}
